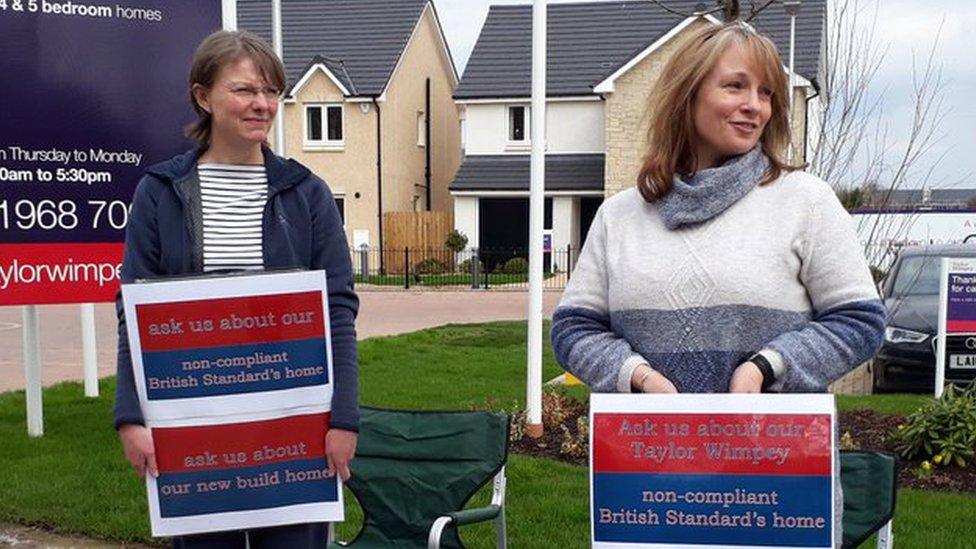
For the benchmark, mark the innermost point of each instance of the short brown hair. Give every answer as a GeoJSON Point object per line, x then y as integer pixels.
{"type": "Point", "coordinates": [671, 105]}
{"type": "Point", "coordinates": [219, 50]}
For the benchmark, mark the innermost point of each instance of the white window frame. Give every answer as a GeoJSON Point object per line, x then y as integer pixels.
{"type": "Point", "coordinates": [324, 144]}
{"type": "Point", "coordinates": [526, 142]}
{"type": "Point", "coordinates": [421, 129]}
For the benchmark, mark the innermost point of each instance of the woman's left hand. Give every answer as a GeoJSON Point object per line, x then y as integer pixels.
{"type": "Point", "coordinates": [340, 447]}
{"type": "Point", "coordinates": [747, 378]}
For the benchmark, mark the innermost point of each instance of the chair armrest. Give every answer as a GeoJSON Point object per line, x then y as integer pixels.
{"type": "Point", "coordinates": [470, 516]}
{"type": "Point", "coordinates": [460, 518]}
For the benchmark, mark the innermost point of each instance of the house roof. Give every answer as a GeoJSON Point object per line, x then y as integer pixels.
{"type": "Point", "coordinates": [589, 41]}
{"type": "Point", "coordinates": [564, 172]}
{"type": "Point", "coordinates": [360, 41]}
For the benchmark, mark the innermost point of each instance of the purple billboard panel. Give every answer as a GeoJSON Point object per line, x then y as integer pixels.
{"type": "Point", "coordinates": [96, 92]}
{"type": "Point", "coordinates": [961, 303]}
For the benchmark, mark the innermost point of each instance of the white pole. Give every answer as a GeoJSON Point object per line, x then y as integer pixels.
{"type": "Point", "coordinates": [533, 399]}
{"type": "Point", "coordinates": [279, 121]}
{"type": "Point", "coordinates": [89, 347]}
{"type": "Point", "coordinates": [940, 334]}
{"type": "Point", "coordinates": [792, 7]}
{"type": "Point", "coordinates": [32, 371]}
{"type": "Point", "coordinates": [229, 14]}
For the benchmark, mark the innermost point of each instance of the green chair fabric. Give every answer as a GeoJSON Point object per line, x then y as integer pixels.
{"type": "Point", "coordinates": [870, 484]}
{"type": "Point", "coordinates": [413, 466]}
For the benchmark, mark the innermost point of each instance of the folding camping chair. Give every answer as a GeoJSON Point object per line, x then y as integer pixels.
{"type": "Point", "coordinates": [414, 472]}
{"type": "Point", "coordinates": [870, 484]}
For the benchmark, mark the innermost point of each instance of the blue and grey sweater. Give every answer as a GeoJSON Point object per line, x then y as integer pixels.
{"type": "Point", "coordinates": [776, 270]}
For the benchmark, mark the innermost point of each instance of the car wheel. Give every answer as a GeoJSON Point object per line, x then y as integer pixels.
{"type": "Point", "coordinates": [878, 385]}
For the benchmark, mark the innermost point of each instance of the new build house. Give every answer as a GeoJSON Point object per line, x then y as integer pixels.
{"type": "Point", "coordinates": [369, 104]}
{"type": "Point", "coordinates": [602, 59]}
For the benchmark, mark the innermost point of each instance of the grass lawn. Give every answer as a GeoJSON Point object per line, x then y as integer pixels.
{"type": "Point", "coordinates": [74, 479]}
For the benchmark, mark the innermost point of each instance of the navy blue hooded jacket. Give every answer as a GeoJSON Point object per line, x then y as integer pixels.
{"type": "Point", "coordinates": [301, 229]}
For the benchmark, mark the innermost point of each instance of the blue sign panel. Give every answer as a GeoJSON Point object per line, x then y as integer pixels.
{"type": "Point", "coordinates": [95, 92]}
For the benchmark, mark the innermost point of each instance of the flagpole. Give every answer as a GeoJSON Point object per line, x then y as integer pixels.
{"type": "Point", "coordinates": [279, 121]}
{"type": "Point", "coordinates": [536, 215]}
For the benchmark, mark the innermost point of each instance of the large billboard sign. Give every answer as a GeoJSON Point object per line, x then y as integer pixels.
{"type": "Point", "coordinates": [94, 92]}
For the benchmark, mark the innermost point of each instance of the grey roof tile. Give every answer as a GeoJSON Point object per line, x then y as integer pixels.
{"type": "Point", "coordinates": [589, 41]}
{"type": "Point", "coordinates": [564, 172]}
{"type": "Point", "coordinates": [367, 36]}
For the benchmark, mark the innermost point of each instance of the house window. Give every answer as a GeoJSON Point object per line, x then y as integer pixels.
{"type": "Point", "coordinates": [323, 125]}
{"type": "Point", "coordinates": [464, 136]}
{"type": "Point", "coordinates": [518, 124]}
{"type": "Point", "coordinates": [421, 129]}
{"type": "Point", "coordinates": [341, 204]}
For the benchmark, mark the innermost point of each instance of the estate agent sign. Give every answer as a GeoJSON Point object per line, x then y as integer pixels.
{"type": "Point", "coordinates": [94, 92]}
{"type": "Point", "coordinates": [956, 347]}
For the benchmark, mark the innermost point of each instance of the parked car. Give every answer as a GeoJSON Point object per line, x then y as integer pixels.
{"type": "Point", "coordinates": [906, 361]}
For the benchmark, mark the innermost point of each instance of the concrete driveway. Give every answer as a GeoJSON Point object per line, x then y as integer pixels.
{"type": "Point", "coordinates": [381, 313]}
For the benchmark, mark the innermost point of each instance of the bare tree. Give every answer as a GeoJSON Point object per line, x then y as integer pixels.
{"type": "Point", "coordinates": [852, 147]}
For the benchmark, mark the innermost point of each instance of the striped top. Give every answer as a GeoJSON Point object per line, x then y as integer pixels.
{"type": "Point", "coordinates": [233, 199]}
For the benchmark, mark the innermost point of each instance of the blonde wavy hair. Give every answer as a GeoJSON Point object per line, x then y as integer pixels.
{"type": "Point", "coordinates": [671, 134]}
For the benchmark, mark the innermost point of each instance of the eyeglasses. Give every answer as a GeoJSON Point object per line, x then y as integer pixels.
{"type": "Point", "coordinates": [250, 93]}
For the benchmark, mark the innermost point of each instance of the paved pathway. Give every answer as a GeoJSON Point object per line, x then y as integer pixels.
{"type": "Point", "coordinates": [382, 313]}
{"type": "Point", "coordinates": [24, 537]}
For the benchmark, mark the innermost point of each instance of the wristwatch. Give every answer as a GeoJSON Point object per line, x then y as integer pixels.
{"type": "Point", "coordinates": [766, 368]}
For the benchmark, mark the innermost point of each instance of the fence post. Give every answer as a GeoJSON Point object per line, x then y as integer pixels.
{"type": "Point", "coordinates": [569, 261]}
{"type": "Point", "coordinates": [406, 268]}
{"type": "Point", "coordinates": [364, 263]}
{"type": "Point", "coordinates": [473, 268]}
{"type": "Point", "coordinates": [484, 272]}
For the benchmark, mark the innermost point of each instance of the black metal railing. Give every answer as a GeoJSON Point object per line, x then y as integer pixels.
{"type": "Point", "coordinates": [484, 268]}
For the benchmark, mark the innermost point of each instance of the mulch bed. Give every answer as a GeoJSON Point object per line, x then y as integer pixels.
{"type": "Point", "coordinates": [869, 430]}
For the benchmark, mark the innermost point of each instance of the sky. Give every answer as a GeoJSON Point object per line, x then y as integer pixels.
{"type": "Point", "coordinates": [904, 27]}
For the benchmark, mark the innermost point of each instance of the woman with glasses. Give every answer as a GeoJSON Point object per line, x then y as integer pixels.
{"type": "Point", "coordinates": [230, 204]}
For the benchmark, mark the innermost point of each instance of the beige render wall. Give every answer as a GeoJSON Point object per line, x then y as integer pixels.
{"type": "Point", "coordinates": [627, 117]}
{"type": "Point", "coordinates": [403, 159]}
{"type": "Point", "coordinates": [347, 171]}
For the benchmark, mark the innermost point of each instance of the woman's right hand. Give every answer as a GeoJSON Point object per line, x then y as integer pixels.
{"type": "Point", "coordinates": [648, 380]}
{"type": "Point", "coordinates": [139, 450]}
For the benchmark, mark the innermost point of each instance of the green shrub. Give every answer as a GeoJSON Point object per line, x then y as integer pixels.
{"type": "Point", "coordinates": [430, 266]}
{"type": "Point", "coordinates": [456, 241]}
{"type": "Point", "coordinates": [514, 266]}
{"type": "Point", "coordinates": [465, 266]}
{"type": "Point", "coordinates": [943, 431]}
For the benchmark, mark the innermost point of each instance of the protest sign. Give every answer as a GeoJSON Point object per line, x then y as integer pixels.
{"type": "Point", "coordinates": [955, 356]}
{"type": "Point", "coordinates": [234, 376]}
{"type": "Point", "coordinates": [95, 93]}
{"type": "Point", "coordinates": [697, 471]}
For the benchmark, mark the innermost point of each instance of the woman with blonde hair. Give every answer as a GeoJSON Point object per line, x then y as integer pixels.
{"type": "Point", "coordinates": [725, 269]}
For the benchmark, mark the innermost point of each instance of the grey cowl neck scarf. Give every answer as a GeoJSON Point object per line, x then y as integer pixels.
{"type": "Point", "coordinates": [710, 192]}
